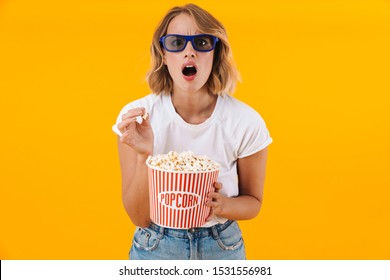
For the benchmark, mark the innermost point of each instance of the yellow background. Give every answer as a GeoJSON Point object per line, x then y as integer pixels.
{"type": "Point", "coordinates": [317, 71]}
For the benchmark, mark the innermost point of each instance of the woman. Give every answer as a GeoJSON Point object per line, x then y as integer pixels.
{"type": "Point", "coordinates": [192, 77]}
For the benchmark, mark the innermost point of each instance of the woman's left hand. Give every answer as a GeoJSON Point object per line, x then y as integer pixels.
{"type": "Point", "coordinates": [216, 201]}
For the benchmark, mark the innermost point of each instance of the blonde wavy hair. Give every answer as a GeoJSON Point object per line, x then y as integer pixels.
{"type": "Point", "coordinates": [224, 74]}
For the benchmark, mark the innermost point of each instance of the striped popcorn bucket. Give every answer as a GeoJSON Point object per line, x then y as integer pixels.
{"type": "Point", "coordinates": [177, 199]}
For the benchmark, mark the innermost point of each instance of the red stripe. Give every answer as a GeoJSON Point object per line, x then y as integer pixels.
{"type": "Point", "coordinates": [176, 212]}
{"type": "Point", "coordinates": [161, 184]}
{"type": "Point", "coordinates": [206, 189]}
{"type": "Point", "coordinates": [185, 212]}
{"type": "Point", "coordinates": [209, 188]}
{"type": "Point", "coordinates": [165, 210]}
{"type": "Point", "coordinates": [196, 191]}
{"type": "Point", "coordinates": [159, 191]}
{"type": "Point", "coordinates": [183, 181]}
{"type": "Point", "coordinates": [155, 195]}
{"type": "Point", "coordinates": [203, 202]}
{"type": "Point", "coordinates": [170, 187]}
{"type": "Point", "coordinates": [151, 190]}
{"type": "Point", "coordinates": [184, 187]}
{"type": "Point", "coordinates": [190, 210]}
{"type": "Point", "coordinates": [175, 216]}
{"type": "Point", "coordinates": [173, 182]}
{"type": "Point", "coordinates": [203, 197]}
{"type": "Point", "coordinates": [167, 190]}
{"type": "Point", "coordinates": [156, 205]}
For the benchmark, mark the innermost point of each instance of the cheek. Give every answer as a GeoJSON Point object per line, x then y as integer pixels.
{"type": "Point", "coordinates": [170, 60]}
{"type": "Point", "coordinates": [208, 63]}
{"type": "Point", "coordinates": [173, 65]}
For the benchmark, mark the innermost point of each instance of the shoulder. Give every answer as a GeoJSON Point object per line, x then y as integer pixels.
{"type": "Point", "coordinates": [240, 112]}
{"type": "Point", "coordinates": [248, 129]}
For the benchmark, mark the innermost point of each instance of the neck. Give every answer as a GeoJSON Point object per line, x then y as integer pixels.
{"type": "Point", "coordinates": [194, 107]}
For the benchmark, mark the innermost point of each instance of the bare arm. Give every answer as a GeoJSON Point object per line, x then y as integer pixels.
{"type": "Point", "coordinates": [251, 174]}
{"type": "Point", "coordinates": [134, 146]}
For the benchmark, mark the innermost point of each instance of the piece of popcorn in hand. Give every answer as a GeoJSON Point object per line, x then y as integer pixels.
{"type": "Point", "coordinates": [145, 115]}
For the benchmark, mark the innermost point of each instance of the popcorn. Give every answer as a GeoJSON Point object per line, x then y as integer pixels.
{"type": "Point", "coordinates": [185, 161]}
{"type": "Point", "coordinates": [145, 115]}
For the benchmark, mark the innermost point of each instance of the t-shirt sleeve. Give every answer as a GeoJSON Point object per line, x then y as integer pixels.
{"type": "Point", "coordinates": [255, 136]}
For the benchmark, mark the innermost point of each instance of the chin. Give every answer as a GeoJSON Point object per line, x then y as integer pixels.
{"type": "Point", "coordinates": [190, 86]}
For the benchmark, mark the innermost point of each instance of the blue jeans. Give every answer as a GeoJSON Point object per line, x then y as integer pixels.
{"type": "Point", "coordinates": [219, 242]}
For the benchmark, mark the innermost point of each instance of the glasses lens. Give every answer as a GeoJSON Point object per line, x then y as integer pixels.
{"type": "Point", "coordinates": [204, 43]}
{"type": "Point", "coordinates": [174, 42]}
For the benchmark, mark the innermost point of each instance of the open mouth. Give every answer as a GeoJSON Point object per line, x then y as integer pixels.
{"type": "Point", "coordinates": [189, 70]}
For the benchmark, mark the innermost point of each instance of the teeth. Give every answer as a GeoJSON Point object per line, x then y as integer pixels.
{"type": "Point", "coordinates": [188, 66]}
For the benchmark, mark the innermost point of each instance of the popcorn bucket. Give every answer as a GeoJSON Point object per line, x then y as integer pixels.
{"type": "Point", "coordinates": [178, 198]}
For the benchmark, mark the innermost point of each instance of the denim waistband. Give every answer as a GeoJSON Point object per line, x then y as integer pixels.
{"type": "Point", "coordinates": [196, 232]}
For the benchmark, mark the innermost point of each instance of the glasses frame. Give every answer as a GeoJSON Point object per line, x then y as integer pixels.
{"type": "Point", "coordinates": [188, 38]}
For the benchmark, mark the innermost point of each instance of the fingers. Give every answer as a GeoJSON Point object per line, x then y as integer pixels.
{"type": "Point", "coordinates": [133, 113]}
{"type": "Point", "coordinates": [214, 196]}
{"type": "Point", "coordinates": [215, 201]}
{"type": "Point", "coordinates": [217, 186]}
{"type": "Point", "coordinates": [125, 123]}
{"type": "Point", "coordinates": [212, 204]}
{"type": "Point", "coordinates": [131, 117]}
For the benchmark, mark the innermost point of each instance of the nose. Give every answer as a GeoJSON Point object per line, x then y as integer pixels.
{"type": "Point", "coordinates": [189, 50]}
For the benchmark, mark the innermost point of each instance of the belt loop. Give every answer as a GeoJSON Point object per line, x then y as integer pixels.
{"type": "Point", "coordinates": [214, 230]}
{"type": "Point", "coordinates": [161, 232]}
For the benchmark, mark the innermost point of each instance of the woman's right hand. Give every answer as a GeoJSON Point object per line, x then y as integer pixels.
{"type": "Point", "coordinates": [138, 136]}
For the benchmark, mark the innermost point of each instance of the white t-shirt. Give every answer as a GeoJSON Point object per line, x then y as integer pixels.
{"type": "Point", "coordinates": [233, 131]}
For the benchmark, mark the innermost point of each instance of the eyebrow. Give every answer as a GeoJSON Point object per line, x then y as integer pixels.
{"type": "Point", "coordinates": [186, 33]}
